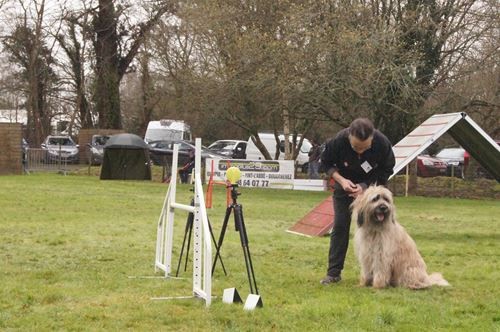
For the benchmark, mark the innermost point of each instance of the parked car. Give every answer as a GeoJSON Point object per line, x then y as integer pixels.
{"type": "Point", "coordinates": [96, 148]}
{"type": "Point", "coordinates": [428, 166]}
{"type": "Point", "coordinates": [234, 149]}
{"type": "Point", "coordinates": [60, 148]}
{"type": "Point", "coordinates": [161, 152]}
{"type": "Point", "coordinates": [457, 160]}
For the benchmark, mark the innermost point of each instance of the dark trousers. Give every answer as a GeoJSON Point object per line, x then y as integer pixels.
{"type": "Point", "coordinates": [339, 238]}
{"type": "Point", "coordinates": [184, 175]}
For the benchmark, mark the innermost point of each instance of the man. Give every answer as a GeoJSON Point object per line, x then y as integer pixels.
{"type": "Point", "coordinates": [357, 157]}
{"type": "Point", "coordinates": [314, 155]}
{"type": "Point", "coordinates": [186, 170]}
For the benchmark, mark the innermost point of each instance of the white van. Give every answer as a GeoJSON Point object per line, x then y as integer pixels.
{"type": "Point", "coordinates": [167, 130]}
{"type": "Point", "coordinates": [253, 153]}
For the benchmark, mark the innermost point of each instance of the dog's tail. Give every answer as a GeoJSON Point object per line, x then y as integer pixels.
{"type": "Point", "coordinates": [437, 279]}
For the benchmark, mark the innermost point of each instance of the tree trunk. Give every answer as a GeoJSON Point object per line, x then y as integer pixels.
{"type": "Point", "coordinates": [111, 65]}
{"type": "Point", "coordinates": [147, 92]}
{"type": "Point", "coordinates": [286, 132]}
{"type": "Point", "coordinates": [262, 148]}
{"type": "Point", "coordinates": [107, 94]}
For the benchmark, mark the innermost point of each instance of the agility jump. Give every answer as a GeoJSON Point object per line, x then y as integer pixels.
{"type": "Point", "coordinates": [202, 260]}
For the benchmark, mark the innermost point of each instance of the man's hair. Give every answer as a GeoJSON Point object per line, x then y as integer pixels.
{"type": "Point", "coordinates": [361, 128]}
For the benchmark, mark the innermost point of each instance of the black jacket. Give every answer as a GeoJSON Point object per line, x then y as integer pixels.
{"type": "Point", "coordinates": [378, 161]}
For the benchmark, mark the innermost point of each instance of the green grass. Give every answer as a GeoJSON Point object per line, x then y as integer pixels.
{"type": "Point", "coordinates": [68, 245]}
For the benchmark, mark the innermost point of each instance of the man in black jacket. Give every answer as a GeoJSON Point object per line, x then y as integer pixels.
{"type": "Point", "coordinates": [188, 167]}
{"type": "Point", "coordinates": [357, 157]}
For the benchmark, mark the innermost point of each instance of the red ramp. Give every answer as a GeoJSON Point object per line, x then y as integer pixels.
{"type": "Point", "coordinates": [318, 222]}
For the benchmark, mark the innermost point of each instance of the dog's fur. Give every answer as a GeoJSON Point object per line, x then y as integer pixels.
{"type": "Point", "coordinates": [387, 254]}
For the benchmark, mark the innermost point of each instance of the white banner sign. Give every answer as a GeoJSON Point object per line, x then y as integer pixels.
{"type": "Point", "coordinates": [254, 173]}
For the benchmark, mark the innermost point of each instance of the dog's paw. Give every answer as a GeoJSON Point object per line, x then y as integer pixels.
{"type": "Point", "coordinates": [380, 282]}
{"type": "Point", "coordinates": [365, 282]}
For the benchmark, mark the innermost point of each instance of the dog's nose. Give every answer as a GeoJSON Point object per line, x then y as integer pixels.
{"type": "Point", "coordinates": [383, 208]}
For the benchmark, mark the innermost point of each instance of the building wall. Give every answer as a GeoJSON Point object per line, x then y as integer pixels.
{"type": "Point", "coordinates": [85, 137]}
{"type": "Point", "coordinates": [11, 148]}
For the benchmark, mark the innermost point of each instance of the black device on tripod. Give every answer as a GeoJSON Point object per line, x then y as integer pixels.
{"type": "Point", "coordinates": [240, 227]}
{"type": "Point", "coordinates": [187, 235]}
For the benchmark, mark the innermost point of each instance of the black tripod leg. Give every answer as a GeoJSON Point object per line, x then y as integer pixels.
{"type": "Point", "coordinates": [216, 247]}
{"type": "Point", "coordinates": [240, 226]}
{"type": "Point", "coordinates": [190, 221]}
{"type": "Point", "coordinates": [221, 237]}
{"type": "Point", "coordinates": [187, 229]}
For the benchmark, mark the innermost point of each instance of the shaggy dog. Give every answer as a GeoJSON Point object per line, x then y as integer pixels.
{"type": "Point", "coordinates": [387, 254]}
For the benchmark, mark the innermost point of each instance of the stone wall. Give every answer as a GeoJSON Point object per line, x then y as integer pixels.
{"type": "Point", "coordinates": [11, 148]}
{"type": "Point", "coordinates": [85, 137]}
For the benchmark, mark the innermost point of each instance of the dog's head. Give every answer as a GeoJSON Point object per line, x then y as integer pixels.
{"type": "Point", "coordinates": [374, 207]}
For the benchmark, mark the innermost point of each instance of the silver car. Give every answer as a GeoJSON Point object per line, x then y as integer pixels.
{"type": "Point", "coordinates": [60, 149]}
{"type": "Point", "coordinates": [96, 148]}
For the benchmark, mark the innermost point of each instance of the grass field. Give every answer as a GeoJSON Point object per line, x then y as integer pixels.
{"type": "Point", "coordinates": [68, 245]}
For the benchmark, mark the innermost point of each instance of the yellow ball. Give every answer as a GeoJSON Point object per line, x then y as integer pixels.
{"type": "Point", "coordinates": [233, 174]}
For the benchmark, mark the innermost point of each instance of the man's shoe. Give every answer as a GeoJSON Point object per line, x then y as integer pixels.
{"type": "Point", "coordinates": [330, 280]}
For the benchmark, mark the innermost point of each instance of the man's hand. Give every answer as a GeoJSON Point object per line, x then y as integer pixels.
{"type": "Point", "coordinates": [353, 190]}
{"type": "Point", "coordinates": [348, 185]}
{"type": "Point", "coordinates": [356, 191]}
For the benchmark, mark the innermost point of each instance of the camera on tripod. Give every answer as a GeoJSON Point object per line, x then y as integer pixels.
{"type": "Point", "coordinates": [233, 175]}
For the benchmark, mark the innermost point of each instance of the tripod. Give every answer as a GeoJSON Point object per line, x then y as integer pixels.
{"type": "Point", "coordinates": [187, 235]}
{"type": "Point", "coordinates": [240, 227]}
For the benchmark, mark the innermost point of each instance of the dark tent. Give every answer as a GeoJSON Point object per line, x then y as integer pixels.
{"type": "Point", "coordinates": [126, 157]}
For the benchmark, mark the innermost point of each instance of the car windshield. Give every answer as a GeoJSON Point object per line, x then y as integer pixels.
{"type": "Point", "coordinates": [100, 140]}
{"type": "Point", "coordinates": [60, 141]}
{"type": "Point", "coordinates": [222, 145]}
{"type": "Point", "coordinates": [185, 146]}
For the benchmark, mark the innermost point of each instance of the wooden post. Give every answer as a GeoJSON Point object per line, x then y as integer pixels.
{"type": "Point", "coordinates": [407, 180]}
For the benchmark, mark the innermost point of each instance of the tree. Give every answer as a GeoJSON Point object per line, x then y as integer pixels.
{"type": "Point", "coordinates": [476, 87]}
{"type": "Point", "coordinates": [27, 48]}
{"type": "Point", "coordinates": [285, 65]}
{"type": "Point", "coordinates": [406, 50]}
{"type": "Point", "coordinates": [140, 94]}
{"type": "Point", "coordinates": [251, 62]}
{"type": "Point", "coordinates": [293, 62]}
{"type": "Point", "coordinates": [73, 40]}
{"type": "Point", "coordinates": [113, 57]}
{"type": "Point", "coordinates": [148, 99]}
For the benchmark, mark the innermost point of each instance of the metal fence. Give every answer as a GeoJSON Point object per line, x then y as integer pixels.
{"type": "Point", "coordinates": [39, 160]}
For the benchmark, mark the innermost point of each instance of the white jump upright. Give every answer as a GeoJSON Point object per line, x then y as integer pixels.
{"type": "Point", "coordinates": [202, 251]}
